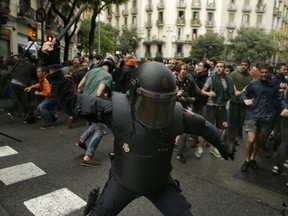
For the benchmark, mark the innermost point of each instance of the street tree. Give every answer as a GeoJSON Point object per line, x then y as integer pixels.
{"type": "Point", "coordinates": [280, 38]}
{"type": "Point", "coordinates": [209, 45]}
{"type": "Point", "coordinates": [254, 44]}
{"type": "Point", "coordinates": [128, 41]}
{"type": "Point", "coordinates": [108, 37]}
{"type": "Point", "coordinates": [66, 11]}
{"type": "Point", "coordinates": [96, 7]}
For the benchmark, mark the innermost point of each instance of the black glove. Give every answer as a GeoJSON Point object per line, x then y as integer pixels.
{"type": "Point", "coordinates": [227, 150]}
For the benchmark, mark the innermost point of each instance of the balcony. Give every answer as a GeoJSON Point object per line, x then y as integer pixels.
{"type": "Point", "coordinates": [124, 27]}
{"type": "Point", "coordinates": [231, 25]}
{"type": "Point", "coordinates": [180, 21]}
{"type": "Point", "coordinates": [195, 22]}
{"type": "Point", "coordinates": [196, 5]}
{"type": "Point", "coordinates": [179, 55]}
{"type": "Point", "coordinates": [117, 13]}
{"type": "Point", "coordinates": [210, 24]}
{"type": "Point", "coordinates": [211, 6]}
{"type": "Point", "coordinates": [5, 7]}
{"type": "Point", "coordinates": [133, 26]}
{"type": "Point", "coordinates": [181, 4]}
{"type": "Point", "coordinates": [134, 10]}
{"type": "Point", "coordinates": [245, 25]}
{"type": "Point", "coordinates": [160, 5]}
{"type": "Point", "coordinates": [260, 8]}
{"type": "Point", "coordinates": [149, 8]}
{"type": "Point", "coordinates": [109, 16]}
{"type": "Point", "coordinates": [277, 12]}
{"type": "Point", "coordinates": [148, 24]}
{"type": "Point", "coordinates": [246, 8]}
{"type": "Point", "coordinates": [259, 26]}
{"type": "Point", "coordinates": [125, 12]}
{"type": "Point", "coordinates": [160, 23]}
{"type": "Point", "coordinates": [232, 7]}
{"type": "Point", "coordinates": [26, 14]}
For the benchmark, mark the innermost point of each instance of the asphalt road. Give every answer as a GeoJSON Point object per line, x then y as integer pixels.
{"type": "Point", "coordinates": [209, 184]}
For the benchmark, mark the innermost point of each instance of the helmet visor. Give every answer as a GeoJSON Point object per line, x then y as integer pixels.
{"type": "Point", "coordinates": [154, 113]}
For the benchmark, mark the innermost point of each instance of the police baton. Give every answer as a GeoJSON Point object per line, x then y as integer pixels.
{"type": "Point", "coordinates": [6, 135]}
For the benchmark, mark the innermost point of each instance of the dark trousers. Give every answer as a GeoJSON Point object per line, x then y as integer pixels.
{"type": "Point", "coordinates": [236, 116]}
{"type": "Point", "coordinates": [20, 97]}
{"type": "Point", "coordinates": [115, 197]}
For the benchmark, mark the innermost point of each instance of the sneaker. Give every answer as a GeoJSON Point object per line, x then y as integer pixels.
{"type": "Point", "coordinates": [235, 142]}
{"type": "Point", "coordinates": [215, 152]}
{"type": "Point", "coordinates": [199, 152]}
{"type": "Point", "coordinates": [277, 170]}
{"type": "Point", "coordinates": [90, 162]}
{"type": "Point", "coordinates": [43, 127]}
{"type": "Point", "coordinates": [81, 144]}
{"type": "Point", "coordinates": [10, 115]}
{"type": "Point", "coordinates": [244, 167]}
{"type": "Point", "coordinates": [181, 158]}
{"type": "Point", "coordinates": [69, 122]}
{"type": "Point", "coordinates": [286, 164]}
{"type": "Point", "coordinates": [254, 164]}
{"type": "Point", "coordinates": [55, 119]}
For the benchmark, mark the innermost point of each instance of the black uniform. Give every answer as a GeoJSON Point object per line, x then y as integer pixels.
{"type": "Point", "coordinates": [145, 124]}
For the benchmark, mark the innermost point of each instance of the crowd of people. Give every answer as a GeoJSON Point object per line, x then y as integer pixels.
{"type": "Point", "coordinates": [227, 96]}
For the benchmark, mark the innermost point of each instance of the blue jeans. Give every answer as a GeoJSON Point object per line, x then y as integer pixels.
{"type": "Point", "coordinates": [47, 110]}
{"type": "Point", "coordinates": [98, 130]}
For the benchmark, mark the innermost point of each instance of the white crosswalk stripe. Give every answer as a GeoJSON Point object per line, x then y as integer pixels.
{"type": "Point", "coordinates": [7, 151]}
{"type": "Point", "coordinates": [57, 203]}
{"type": "Point", "coordinates": [14, 174]}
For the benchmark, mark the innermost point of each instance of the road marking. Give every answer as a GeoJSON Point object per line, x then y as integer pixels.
{"type": "Point", "coordinates": [6, 151]}
{"type": "Point", "coordinates": [11, 175]}
{"type": "Point", "coordinates": [58, 203]}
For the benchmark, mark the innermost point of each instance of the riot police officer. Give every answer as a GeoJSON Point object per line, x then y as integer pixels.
{"type": "Point", "coordinates": [145, 122]}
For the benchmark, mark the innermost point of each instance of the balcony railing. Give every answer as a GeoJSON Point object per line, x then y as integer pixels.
{"type": "Point", "coordinates": [246, 8]}
{"type": "Point", "coordinates": [124, 27]}
{"type": "Point", "coordinates": [195, 22]}
{"type": "Point", "coordinates": [25, 11]}
{"type": "Point", "coordinates": [232, 7]}
{"type": "Point", "coordinates": [160, 5]}
{"type": "Point", "coordinates": [117, 13]}
{"type": "Point", "coordinates": [211, 6]}
{"type": "Point", "coordinates": [245, 25]}
{"type": "Point", "coordinates": [259, 25]}
{"type": "Point", "coordinates": [231, 25]}
{"type": "Point", "coordinates": [180, 21]}
{"type": "Point", "coordinates": [179, 55]}
{"type": "Point", "coordinates": [134, 10]}
{"type": "Point", "coordinates": [209, 24]}
{"type": "Point", "coordinates": [149, 8]}
{"type": "Point", "coordinates": [125, 12]}
{"type": "Point", "coordinates": [148, 24]}
{"type": "Point", "coordinates": [196, 5]}
{"type": "Point", "coordinates": [260, 8]}
{"type": "Point", "coordinates": [5, 7]}
{"type": "Point", "coordinates": [148, 55]}
{"type": "Point", "coordinates": [181, 4]}
{"type": "Point", "coordinates": [160, 22]}
{"type": "Point", "coordinates": [133, 26]}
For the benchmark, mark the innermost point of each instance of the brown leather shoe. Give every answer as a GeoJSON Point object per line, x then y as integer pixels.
{"type": "Point", "coordinates": [81, 144]}
{"type": "Point", "coordinates": [90, 162]}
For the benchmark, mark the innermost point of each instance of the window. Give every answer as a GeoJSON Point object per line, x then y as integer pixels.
{"type": "Point", "coordinates": [149, 35]}
{"type": "Point", "coordinates": [245, 19]}
{"type": "Point", "coordinates": [147, 48]}
{"type": "Point", "coordinates": [125, 21]}
{"type": "Point", "coordinates": [195, 15]}
{"type": "Point", "coordinates": [210, 16]}
{"type": "Point", "coordinates": [231, 17]}
{"type": "Point", "coordinates": [160, 16]}
{"type": "Point", "coordinates": [246, 2]}
{"type": "Point", "coordinates": [194, 33]}
{"type": "Point", "coordinates": [230, 35]}
{"type": "Point", "coordinates": [259, 19]}
{"type": "Point", "coordinates": [210, 2]}
{"type": "Point", "coordinates": [179, 49]}
{"type": "Point", "coordinates": [134, 4]}
{"type": "Point", "coordinates": [159, 48]}
{"type": "Point", "coordinates": [196, 3]}
{"type": "Point", "coordinates": [134, 20]}
{"type": "Point", "coordinates": [232, 1]}
{"type": "Point", "coordinates": [117, 22]}
{"type": "Point", "coordinates": [181, 15]}
{"type": "Point", "coordinates": [179, 33]}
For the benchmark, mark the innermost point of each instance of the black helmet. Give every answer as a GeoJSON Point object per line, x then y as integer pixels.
{"type": "Point", "coordinates": [152, 94]}
{"type": "Point", "coordinates": [108, 60]}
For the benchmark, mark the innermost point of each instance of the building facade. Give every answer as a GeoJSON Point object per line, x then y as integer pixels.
{"type": "Point", "coordinates": [19, 26]}
{"type": "Point", "coordinates": [167, 27]}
